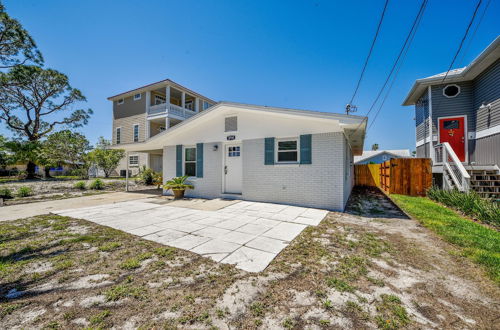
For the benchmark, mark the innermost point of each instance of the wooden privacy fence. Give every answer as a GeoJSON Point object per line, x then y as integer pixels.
{"type": "Point", "coordinates": [405, 176]}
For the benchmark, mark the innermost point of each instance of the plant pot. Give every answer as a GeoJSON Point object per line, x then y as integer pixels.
{"type": "Point", "coordinates": [178, 193]}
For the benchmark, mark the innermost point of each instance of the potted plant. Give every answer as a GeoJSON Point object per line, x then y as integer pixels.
{"type": "Point", "coordinates": [178, 186]}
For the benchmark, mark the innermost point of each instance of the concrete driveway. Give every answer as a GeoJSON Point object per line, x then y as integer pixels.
{"type": "Point", "coordinates": [246, 234]}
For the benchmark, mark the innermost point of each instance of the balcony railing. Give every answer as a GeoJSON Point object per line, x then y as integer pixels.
{"type": "Point", "coordinates": [170, 109]}
{"type": "Point", "coordinates": [454, 173]}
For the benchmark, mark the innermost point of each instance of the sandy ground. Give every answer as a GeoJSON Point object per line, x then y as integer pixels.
{"type": "Point", "coordinates": [368, 268]}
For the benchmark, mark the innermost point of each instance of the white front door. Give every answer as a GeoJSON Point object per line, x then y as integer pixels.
{"type": "Point", "coordinates": [232, 169]}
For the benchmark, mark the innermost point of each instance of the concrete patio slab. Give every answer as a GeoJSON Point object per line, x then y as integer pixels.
{"type": "Point", "coordinates": [247, 234]}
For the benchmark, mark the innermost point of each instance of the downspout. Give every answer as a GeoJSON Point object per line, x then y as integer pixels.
{"type": "Point", "coordinates": [126, 172]}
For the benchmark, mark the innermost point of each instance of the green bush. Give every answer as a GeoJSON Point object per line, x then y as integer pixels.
{"type": "Point", "coordinates": [24, 191]}
{"type": "Point", "coordinates": [5, 193]}
{"type": "Point", "coordinates": [97, 184]}
{"type": "Point", "coordinates": [146, 176]}
{"type": "Point", "coordinates": [80, 185]}
{"type": "Point", "coordinates": [470, 204]}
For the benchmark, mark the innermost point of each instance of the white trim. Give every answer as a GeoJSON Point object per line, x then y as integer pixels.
{"type": "Point", "coordinates": [429, 101]}
{"type": "Point", "coordinates": [450, 97]}
{"type": "Point", "coordinates": [138, 133]}
{"type": "Point", "coordinates": [276, 142]}
{"type": "Point", "coordinates": [133, 165]}
{"type": "Point", "coordinates": [466, 137]}
{"type": "Point", "coordinates": [120, 101]}
{"type": "Point", "coordinates": [487, 132]}
{"type": "Point", "coordinates": [137, 98]}
{"type": "Point", "coordinates": [191, 161]}
{"type": "Point", "coordinates": [116, 131]}
{"type": "Point", "coordinates": [224, 159]}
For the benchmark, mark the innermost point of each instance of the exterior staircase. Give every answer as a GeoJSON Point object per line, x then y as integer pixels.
{"type": "Point", "coordinates": [485, 180]}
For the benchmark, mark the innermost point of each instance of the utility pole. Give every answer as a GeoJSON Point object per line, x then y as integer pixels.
{"type": "Point", "coordinates": [350, 108]}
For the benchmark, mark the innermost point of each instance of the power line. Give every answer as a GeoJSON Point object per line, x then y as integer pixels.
{"type": "Point", "coordinates": [413, 28]}
{"type": "Point", "coordinates": [475, 30]}
{"type": "Point", "coordinates": [369, 53]}
{"type": "Point", "coordinates": [404, 49]}
{"type": "Point", "coordinates": [463, 39]}
{"type": "Point", "coordinates": [396, 74]}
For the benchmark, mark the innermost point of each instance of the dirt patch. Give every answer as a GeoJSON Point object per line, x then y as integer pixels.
{"type": "Point", "coordinates": [355, 270]}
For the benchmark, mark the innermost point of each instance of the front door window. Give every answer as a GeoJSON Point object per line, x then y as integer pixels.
{"type": "Point", "coordinates": [452, 130]}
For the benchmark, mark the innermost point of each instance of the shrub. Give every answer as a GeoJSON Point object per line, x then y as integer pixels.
{"type": "Point", "coordinates": [24, 191]}
{"type": "Point", "coordinates": [97, 184]}
{"type": "Point", "coordinates": [5, 193]}
{"type": "Point", "coordinates": [80, 185]}
{"type": "Point", "coordinates": [146, 176]}
{"type": "Point", "coordinates": [469, 203]}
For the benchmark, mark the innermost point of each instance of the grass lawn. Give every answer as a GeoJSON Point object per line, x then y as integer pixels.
{"type": "Point", "coordinates": [477, 242]}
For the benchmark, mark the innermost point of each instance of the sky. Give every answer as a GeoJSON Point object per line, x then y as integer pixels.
{"type": "Point", "coordinates": [294, 54]}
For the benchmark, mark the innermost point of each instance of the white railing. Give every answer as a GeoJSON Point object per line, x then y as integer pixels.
{"type": "Point", "coordinates": [452, 167]}
{"type": "Point", "coordinates": [171, 109]}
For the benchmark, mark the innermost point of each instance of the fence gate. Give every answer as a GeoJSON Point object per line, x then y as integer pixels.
{"type": "Point", "coordinates": [405, 176]}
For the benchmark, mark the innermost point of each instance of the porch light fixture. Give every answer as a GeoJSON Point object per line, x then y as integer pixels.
{"type": "Point", "coordinates": [215, 147]}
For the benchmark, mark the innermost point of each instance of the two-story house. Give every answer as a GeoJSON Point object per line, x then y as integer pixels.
{"type": "Point", "coordinates": [457, 117]}
{"type": "Point", "coordinates": [141, 113]}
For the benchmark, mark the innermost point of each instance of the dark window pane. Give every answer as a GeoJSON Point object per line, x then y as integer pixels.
{"type": "Point", "coordinates": [287, 145]}
{"type": "Point", "coordinates": [287, 156]}
{"type": "Point", "coordinates": [451, 90]}
{"type": "Point", "coordinates": [190, 154]}
{"type": "Point", "coordinates": [451, 124]}
{"type": "Point", "coordinates": [190, 169]}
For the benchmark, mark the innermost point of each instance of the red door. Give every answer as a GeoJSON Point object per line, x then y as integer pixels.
{"type": "Point", "coordinates": [452, 130]}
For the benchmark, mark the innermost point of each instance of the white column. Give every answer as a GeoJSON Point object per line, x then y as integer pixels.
{"type": "Point", "coordinates": [167, 94]}
{"type": "Point", "coordinates": [196, 104]}
{"type": "Point", "coordinates": [183, 100]}
{"type": "Point", "coordinates": [167, 123]}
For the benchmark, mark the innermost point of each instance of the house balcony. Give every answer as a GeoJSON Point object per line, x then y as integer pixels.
{"type": "Point", "coordinates": [170, 110]}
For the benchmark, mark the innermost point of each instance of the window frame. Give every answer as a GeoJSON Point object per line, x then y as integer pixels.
{"type": "Point", "coordinates": [161, 98]}
{"type": "Point", "coordinates": [120, 101]}
{"type": "Point", "coordinates": [450, 85]}
{"type": "Point", "coordinates": [137, 98]}
{"type": "Point", "coordinates": [208, 105]}
{"type": "Point", "coordinates": [118, 137]}
{"type": "Point", "coordinates": [277, 151]}
{"type": "Point", "coordinates": [130, 158]}
{"type": "Point", "coordinates": [184, 161]}
{"type": "Point", "coordinates": [133, 133]}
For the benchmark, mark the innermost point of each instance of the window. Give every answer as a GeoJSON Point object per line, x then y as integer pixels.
{"type": "Point", "coordinates": [384, 157]}
{"type": "Point", "coordinates": [118, 135]}
{"type": "Point", "coordinates": [206, 105]}
{"type": "Point", "coordinates": [233, 151]}
{"type": "Point", "coordinates": [133, 160]}
{"type": "Point", "coordinates": [136, 133]}
{"type": "Point", "coordinates": [231, 124]}
{"type": "Point", "coordinates": [120, 101]}
{"type": "Point", "coordinates": [451, 124]}
{"type": "Point", "coordinates": [137, 97]}
{"type": "Point", "coordinates": [451, 91]}
{"type": "Point", "coordinates": [288, 151]}
{"type": "Point", "coordinates": [160, 99]}
{"type": "Point", "coordinates": [190, 161]}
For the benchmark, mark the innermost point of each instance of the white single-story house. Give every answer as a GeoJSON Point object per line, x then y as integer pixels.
{"type": "Point", "coordinates": [261, 153]}
{"type": "Point", "coordinates": [380, 156]}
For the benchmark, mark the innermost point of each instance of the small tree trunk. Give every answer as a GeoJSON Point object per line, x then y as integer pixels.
{"type": "Point", "coordinates": [47, 172]}
{"type": "Point", "coordinates": [30, 169]}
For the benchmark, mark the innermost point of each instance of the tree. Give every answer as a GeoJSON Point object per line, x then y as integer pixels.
{"type": "Point", "coordinates": [64, 147]}
{"type": "Point", "coordinates": [105, 158]}
{"type": "Point", "coordinates": [375, 147]}
{"type": "Point", "coordinates": [4, 156]}
{"type": "Point", "coordinates": [16, 45]}
{"type": "Point", "coordinates": [32, 97]}
{"type": "Point", "coordinates": [25, 152]}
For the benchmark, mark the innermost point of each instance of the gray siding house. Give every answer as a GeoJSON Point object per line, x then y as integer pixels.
{"type": "Point", "coordinates": [462, 110]}
{"type": "Point", "coordinates": [380, 156]}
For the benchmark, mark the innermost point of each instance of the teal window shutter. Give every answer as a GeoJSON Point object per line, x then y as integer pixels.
{"type": "Point", "coordinates": [305, 149]}
{"type": "Point", "coordinates": [199, 160]}
{"type": "Point", "coordinates": [178, 160]}
{"type": "Point", "coordinates": [269, 151]}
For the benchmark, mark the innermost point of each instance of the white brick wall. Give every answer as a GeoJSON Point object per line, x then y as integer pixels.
{"type": "Point", "coordinates": [319, 184]}
{"type": "Point", "coordinates": [210, 186]}
{"type": "Point", "coordinates": [322, 184]}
